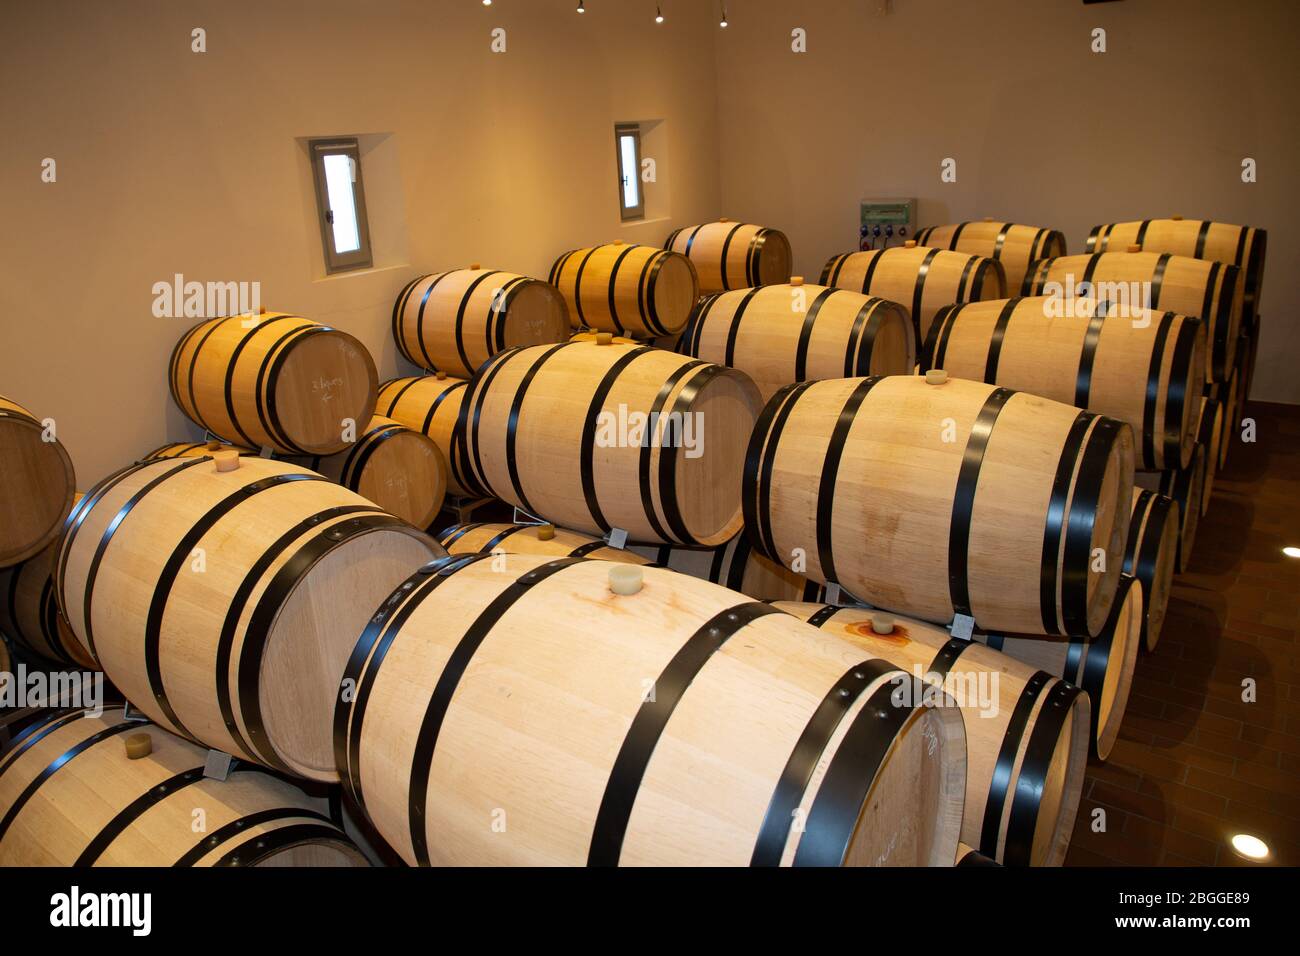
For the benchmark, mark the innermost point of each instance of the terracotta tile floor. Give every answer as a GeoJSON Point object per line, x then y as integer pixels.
{"type": "Point", "coordinates": [1194, 763]}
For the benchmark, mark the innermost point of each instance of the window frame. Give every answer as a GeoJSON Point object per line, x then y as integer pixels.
{"type": "Point", "coordinates": [363, 257]}
{"type": "Point", "coordinates": [628, 213]}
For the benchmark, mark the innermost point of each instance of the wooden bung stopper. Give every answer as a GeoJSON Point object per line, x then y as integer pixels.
{"type": "Point", "coordinates": [724, 219]}
{"type": "Point", "coordinates": [440, 376]}
{"type": "Point", "coordinates": [474, 266]}
{"type": "Point", "coordinates": [546, 532]}
{"type": "Point", "coordinates": [882, 623]}
{"type": "Point", "coordinates": [617, 242]}
{"type": "Point", "coordinates": [1135, 248]}
{"type": "Point", "coordinates": [214, 445]}
{"type": "Point", "coordinates": [796, 280]}
{"type": "Point", "coordinates": [988, 218]}
{"type": "Point", "coordinates": [1176, 218]}
{"type": "Point", "coordinates": [909, 244]}
{"type": "Point", "coordinates": [261, 310]}
{"type": "Point", "coordinates": [936, 376]}
{"type": "Point", "coordinates": [227, 460]}
{"type": "Point", "coordinates": [626, 578]}
{"type": "Point", "coordinates": [138, 746]}
{"type": "Point", "coordinates": [604, 338]}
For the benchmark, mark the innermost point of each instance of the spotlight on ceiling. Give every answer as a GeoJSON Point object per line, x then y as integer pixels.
{"type": "Point", "coordinates": [723, 22]}
{"type": "Point", "coordinates": [581, 8]}
{"type": "Point", "coordinates": [659, 13]}
{"type": "Point", "coordinates": [1291, 552]}
{"type": "Point", "coordinates": [1249, 847]}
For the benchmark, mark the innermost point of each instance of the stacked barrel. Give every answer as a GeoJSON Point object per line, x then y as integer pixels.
{"type": "Point", "coordinates": [896, 612]}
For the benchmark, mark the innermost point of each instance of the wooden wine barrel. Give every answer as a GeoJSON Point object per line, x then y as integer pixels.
{"type": "Point", "coordinates": [1210, 435]}
{"type": "Point", "coordinates": [673, 723]}
{"type": "Point", "coordinates": [1026, 731]}
{"type": "Point", "coordinates": [780, 334]}
{"type": "Point", "coordinates": [1015, 246]}
{"type": "Point", "coordinates": [733, 255]}
{"type": "Point", "coordinates": [734, 564]}
{"type": "Point", "coordinates": [621, 288]}
{"type": "Point", "coordinates": [71, 794]}
{"type": "Point", "coordinates": [430, 404]}
{"type": "Point", "coordinates": [273, 380]}
{"type": "Point", "coordinates": [1241, 246]}
{"type": "Point", "coordinates": [36, 484]}
{"type": "Point", "coordinates": [943, 499]}
{"type": "Point", "coordinates": [1184, 486]}
{"type": "Point", "coordinates": [596, 437]}
{"type": "Point", "coordinates": [455, 321]}
{"type": "Point", "coordinates": [398, 468]}
{"type": "Point", "coordinates": [30, 616]}
{"type": "Point", "coordinates": [968, 856]}
{"type": "Point", "coordinates": [1151, 556]}
{"type": "Point", "coordinates": [224, 604]}
{"type": "Point", "coordinates": [1147, 372]}
{"type": "Point", "coordinates": [923, 280]}
{"type": "Point", "coordinates": [1161, 282]}
{"type": "Point", "coordinates": [1102, 666]}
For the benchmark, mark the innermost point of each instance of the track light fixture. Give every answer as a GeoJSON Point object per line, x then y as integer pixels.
{"type": "Point", "coordinates": [659, 13]}
{"type": "Point", "coordinates": [723, 22]}
{"type": "Point", "coordinates": [581, 7]}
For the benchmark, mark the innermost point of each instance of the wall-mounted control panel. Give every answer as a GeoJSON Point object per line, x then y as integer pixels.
{"type": "Point", "coordinates": [886, 222]}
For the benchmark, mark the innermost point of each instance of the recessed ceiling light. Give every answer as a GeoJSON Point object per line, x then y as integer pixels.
{"type": "Point", "coordinates": [1250, 847]}
{"type": "Point", "coordinates": [1291, 552]}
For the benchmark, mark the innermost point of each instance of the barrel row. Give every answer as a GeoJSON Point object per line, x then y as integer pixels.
{"type": "Point", "coordinates": [80, 790]}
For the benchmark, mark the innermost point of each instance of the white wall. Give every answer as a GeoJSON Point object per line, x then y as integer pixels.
{"type": "Point", "coordinates": [170, 161]}
{"type": "Point", "coordinates": [1043, 130]}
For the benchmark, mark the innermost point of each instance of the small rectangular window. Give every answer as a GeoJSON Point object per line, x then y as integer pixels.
{"type": "Point", "coordinates": [341, 201]}
{"type": "Point", "coordinates": [631, 198]}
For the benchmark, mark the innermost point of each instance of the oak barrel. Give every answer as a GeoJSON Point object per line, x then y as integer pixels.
{"type": "Point", "coordinates": [1102, 666]}
{"type": "Point", "coordinates": [71, 796]}
{"type": "Point", "coordinates": [1241, 246]}
{"type": "Point", "coordinates": [1231, 416]}
{"type": "Point", "coordinates": [621, 288]}
{"type": "Point", "coordinates": [273, 380]}
{"type": "Point", "coordinates": [733, 255]}
{"type": "Point", "coordinates": [942, 499]}
{"type": "Point", "coordinates": [398, 468]}
{"type": "Point", "coordinates": [224, 604]}
{"type": "Point", "coordinates": [1026, 731]}
{"type": "Point", "coordinates": [1151, 556]}
{"type": "Point", "coordinates": [1146, 370]}
{"type": "Point", "coordinates": [734, 564]}
{"type": "Point", "coordinates": [30, 616]}
{"type": "Point", "coordinates": [1184, 486]}
{"type": "Point", "coordinates": [455, 321]}
{"type": "Point", "coordinates": [431, 405]}
{"type": "Point", "coordinates": [779, 334]}
{"type": "Point", "coordinates": [1161, 282]}
{"type": "Point", "coordinates": [1013, 245]}
{"type": "Point", "coordinates": [922, 280]}
{"type": "Point", "coordinates": [515, 710]}
{"type": "Point", "coordinates": [969, 856]}
{"type": "Point", "coordinates": [36, 484]}
{"type": "Point", "coordinates": [596, 437]}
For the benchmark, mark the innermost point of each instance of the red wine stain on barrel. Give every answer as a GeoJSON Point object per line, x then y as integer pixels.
{"type": "Point", "coordinates": [898, 636]}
